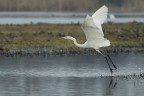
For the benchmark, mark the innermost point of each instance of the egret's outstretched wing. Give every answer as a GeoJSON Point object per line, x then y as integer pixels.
{"type": "Point", "coordinates": [93, 30]}
{"type": "Point", "coordinates": [93, 33]}
{"type": "Point", "coordinates": [100, 16]}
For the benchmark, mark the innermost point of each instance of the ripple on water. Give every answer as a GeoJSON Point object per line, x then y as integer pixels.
{"type": "Point", "coordinates": [120, 73]}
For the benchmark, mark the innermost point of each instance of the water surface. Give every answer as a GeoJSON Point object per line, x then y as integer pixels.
{"type": "Point", "coordinates": [63, 17]}
{"type": "Point", "coordinates": [71, 76]}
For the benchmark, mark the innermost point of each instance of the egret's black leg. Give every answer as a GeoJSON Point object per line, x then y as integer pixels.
{"type": "Point", "coordinates": [112, 62]}
{"type": "Point", "coordinates": [111, 70]}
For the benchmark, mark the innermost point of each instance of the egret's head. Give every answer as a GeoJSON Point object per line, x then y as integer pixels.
{"type": "Point", "coordinates": [68, 37]}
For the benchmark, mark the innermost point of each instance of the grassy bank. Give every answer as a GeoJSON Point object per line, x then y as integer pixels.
{"type": "Point", "coordinates": [45, 38]}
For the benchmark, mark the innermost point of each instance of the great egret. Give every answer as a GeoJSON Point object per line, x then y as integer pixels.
{"type": "Point", "coordinates": [94, 33]}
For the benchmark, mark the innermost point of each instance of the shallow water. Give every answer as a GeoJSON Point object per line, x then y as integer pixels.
{"type": "Point", "coordinates": [62, 17]}
{"type": "Point", "coordinates": [68, 66]}
{"type": "Point", "coordinates": [71, 76]}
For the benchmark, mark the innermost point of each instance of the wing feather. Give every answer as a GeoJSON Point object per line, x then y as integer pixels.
{"type": "Point", "coordinates": [100, 15]}
{"type": "Point", "coordinates": [93, 30]}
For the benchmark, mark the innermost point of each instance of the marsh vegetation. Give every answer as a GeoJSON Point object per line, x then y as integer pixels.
{"type": "Point", "coordinates": [46, 38]}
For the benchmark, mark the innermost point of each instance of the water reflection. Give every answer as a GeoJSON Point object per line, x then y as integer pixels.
{"type": "Point", "coordinates": [113, 83]}
{"type": "Point", "coordinates": [69, 86]}
{"type": "Point", "coordinates": [35, 86]}
{"type": "Point", "coordinates": [70, 76]}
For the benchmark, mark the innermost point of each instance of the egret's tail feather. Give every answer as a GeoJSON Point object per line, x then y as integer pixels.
{"type": "Point", "coordinates": [105, 43]}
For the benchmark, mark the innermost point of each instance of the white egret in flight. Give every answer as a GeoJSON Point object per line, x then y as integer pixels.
{"type": "Point", "coordinates": [94, 33]}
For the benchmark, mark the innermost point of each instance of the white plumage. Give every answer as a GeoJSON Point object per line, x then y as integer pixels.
{"type": "Point", "coordinates": [93, 31]}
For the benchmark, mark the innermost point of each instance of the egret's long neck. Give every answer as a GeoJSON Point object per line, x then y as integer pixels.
{"type": "Point", "coordinates": [75, 42]}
